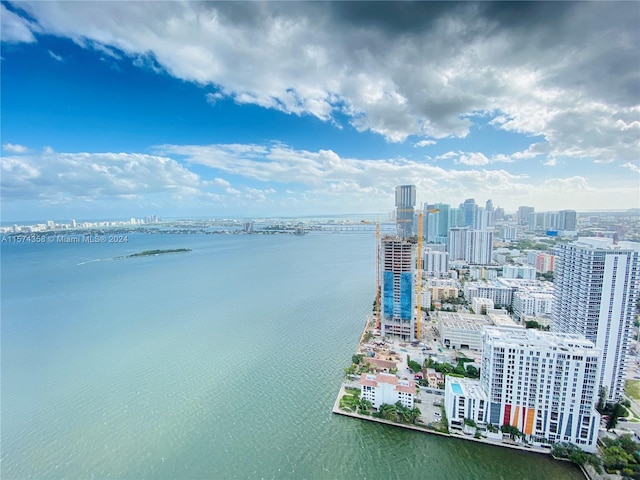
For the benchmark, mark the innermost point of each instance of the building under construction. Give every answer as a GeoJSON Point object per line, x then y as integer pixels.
{"type": "Point", "coordinates": [398, 266]}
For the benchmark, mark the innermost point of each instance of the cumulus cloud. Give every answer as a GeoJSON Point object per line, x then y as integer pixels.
{"type": "Point", "coordinates": [424, 143]}
{"type": "Point", "coordinates": [328, 180]}
{"type": "Point", "coordinates": [567, 74]}
{"type": "Point", "coordinates": [93, 176]}
{"type": "Point", "coordinates": [284, 179]}
{"type": "Point", "coordinates": [14, 148]}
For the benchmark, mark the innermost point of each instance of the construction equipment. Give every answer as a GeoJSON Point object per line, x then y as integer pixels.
{"type": "Point", "coordinates": [378, 299]}
{"type": "Point", "coordinates": [419, 279]}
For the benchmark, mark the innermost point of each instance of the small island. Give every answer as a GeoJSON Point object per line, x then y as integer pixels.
{"type": "Point", "coordinates": [147, 253]}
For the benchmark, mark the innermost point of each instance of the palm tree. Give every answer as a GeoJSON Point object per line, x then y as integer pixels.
{"type": "Point", "coordinates": [388, 412]}
{"type": "Point", "coordinates": [365, 405]}
{"type": "Point", "coordinates": [415, 414]}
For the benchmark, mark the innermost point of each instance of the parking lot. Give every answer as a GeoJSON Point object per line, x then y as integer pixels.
{"type": "Point", "coordinates": [430, 406]}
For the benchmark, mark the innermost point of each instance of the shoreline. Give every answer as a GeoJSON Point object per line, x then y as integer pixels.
{"type": "Point", "coordinates": [461, 436]}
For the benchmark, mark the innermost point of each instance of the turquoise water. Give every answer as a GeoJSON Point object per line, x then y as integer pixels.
{"type": "Point", "coordinates": [456, 389]}
{"type": "Point", "coordinates": [223, 362]}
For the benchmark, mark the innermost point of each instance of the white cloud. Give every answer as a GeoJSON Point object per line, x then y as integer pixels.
{"type": "Point", "coordinates": [93, 176]}
{"type": "Point", "coordinates": [212, 98]}
{"type": "Point", "coordinates": [285, 180]}
{"type": "Point", "coordinates": [422, 70]}
{"type": "Point", "coordinates": [221, 182]}
{"type": "Point", "coordinates": [55, 57]}
{"type": "Point", "coordinates": [14, 28]}
{"type": "Point", "coordinates": [475, 158]}
{"type": "Point", "coordinates": [424, 143]}
{"type": "Point", "coordinates": [634, 167]}
{"type": "Point", "coordinates": [14, 148]}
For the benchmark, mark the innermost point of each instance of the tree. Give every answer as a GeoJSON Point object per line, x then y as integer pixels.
{"type": "Point", "coordinates": [414, 366]}
{"type": "Point", "coordinates": [388, 412]}
{"type": "Point", "coordinates": [472, 372]}
{"type": "Point", "coordinates": [532, 324]}
{"type": "Point", "coordinates": [616, 411]}
{"type": "Point", "coordinates": [602, 400]}
{"type": "Point", "coordinates": [357, 358]}
{"type": "Point", "coordinates": [365, 406]}
{"type": "Point", "coordinates": [415, 414]}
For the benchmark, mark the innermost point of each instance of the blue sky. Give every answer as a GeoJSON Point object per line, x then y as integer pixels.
{"type": "Point", "coordinates": [120, 109]}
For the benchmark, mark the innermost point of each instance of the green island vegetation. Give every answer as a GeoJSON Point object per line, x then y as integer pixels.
{"type": "Point", "coordinates": [147, 253]}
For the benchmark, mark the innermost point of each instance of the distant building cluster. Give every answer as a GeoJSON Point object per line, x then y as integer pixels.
{"type": "Point", "coordinates": [489, 274]}
{"type": "Point", "coordinates": [51, 226]}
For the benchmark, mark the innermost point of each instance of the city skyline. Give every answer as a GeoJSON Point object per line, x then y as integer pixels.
{"type": "Point", "coordinates": [294, 109]}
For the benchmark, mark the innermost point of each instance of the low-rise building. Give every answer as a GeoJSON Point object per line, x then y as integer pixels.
{"type": "Point", "coordinates": [387, 388]}
{"type": "Point", "coordinates": [434, 379]}
{"type": "Point", "coordinates": [464, 399]}
{"type": "Point", "coordinates": [464, 330]}
{"type": "Point", "coordinates": [525, 272]}
{"type": "Point", "coordinates": [495, 290]}
{"type": "Point", "coordinates": [441, 293]}
{"type": "Point", "coordinates": [481, 305]}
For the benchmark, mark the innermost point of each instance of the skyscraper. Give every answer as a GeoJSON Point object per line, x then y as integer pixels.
{"type": "Point", "coordinates": [398, 267]}
{"type": "Point", "coordinates": [469, 208]}
{"type": "Point", "coordinates": [568, 220]}
{"type": "Point", "coordinates": [405, 201]}
{"type": "Point", "coordinates": [596, 289]}
{"type": "Point", "coordinates": [523, 215]}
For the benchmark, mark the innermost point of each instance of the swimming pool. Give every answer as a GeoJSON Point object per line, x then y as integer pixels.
{"type": "Point", "coordinates": [456, 388]}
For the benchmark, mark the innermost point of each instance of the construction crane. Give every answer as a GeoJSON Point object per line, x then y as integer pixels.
{"type": "Point", "coordinates": [419, 273]}
{"type": "Point", "coordinates": [378, 306]}
{"type": "Point", "coordinates": [419, 280]}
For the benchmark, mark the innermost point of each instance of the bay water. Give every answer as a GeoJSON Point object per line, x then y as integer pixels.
{"type": "Point", "coordinates": [222, 363]}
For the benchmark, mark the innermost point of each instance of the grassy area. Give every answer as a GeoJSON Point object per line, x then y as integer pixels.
{"type": "Point", "coordinates": [632, 389]}
{"type": "Point", "coordinates": [349, 402]}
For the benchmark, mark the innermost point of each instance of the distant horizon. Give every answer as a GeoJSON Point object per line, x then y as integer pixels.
{"type": "Point", "coordinates": [381, 217]}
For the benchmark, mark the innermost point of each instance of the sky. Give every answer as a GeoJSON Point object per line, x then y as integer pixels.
{"type": "Point", "coordinates": [250, 109]}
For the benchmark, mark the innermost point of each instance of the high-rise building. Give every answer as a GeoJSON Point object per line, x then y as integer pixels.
{"type": "Point", "coordinates": [472, 246]}
{"type": "Point", "coordinates": [479, 247]}
{"type": "Point", "coordinates": [596, 290]}
{"type": "Point", "coordinates": [456, 243]}
{"type": "Point", "coordinates": [523, 215]}
{"type": "Point", "coordinates": [398, 302]}
{"type": "Point", "coordinates": [469, 208]}
{"type": "Point", "coordinates": [568, 220]}
{"type": "Point", "coordinates": [436, 264]}
{"type": "Point", "coordinates": [543, 383]}
{"type": "Point", "coordinates": [436, 222]}
{"type": "Point", "coordinates": [455, 217]}
{"type": "Point", "coordinates": [405, 203]}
